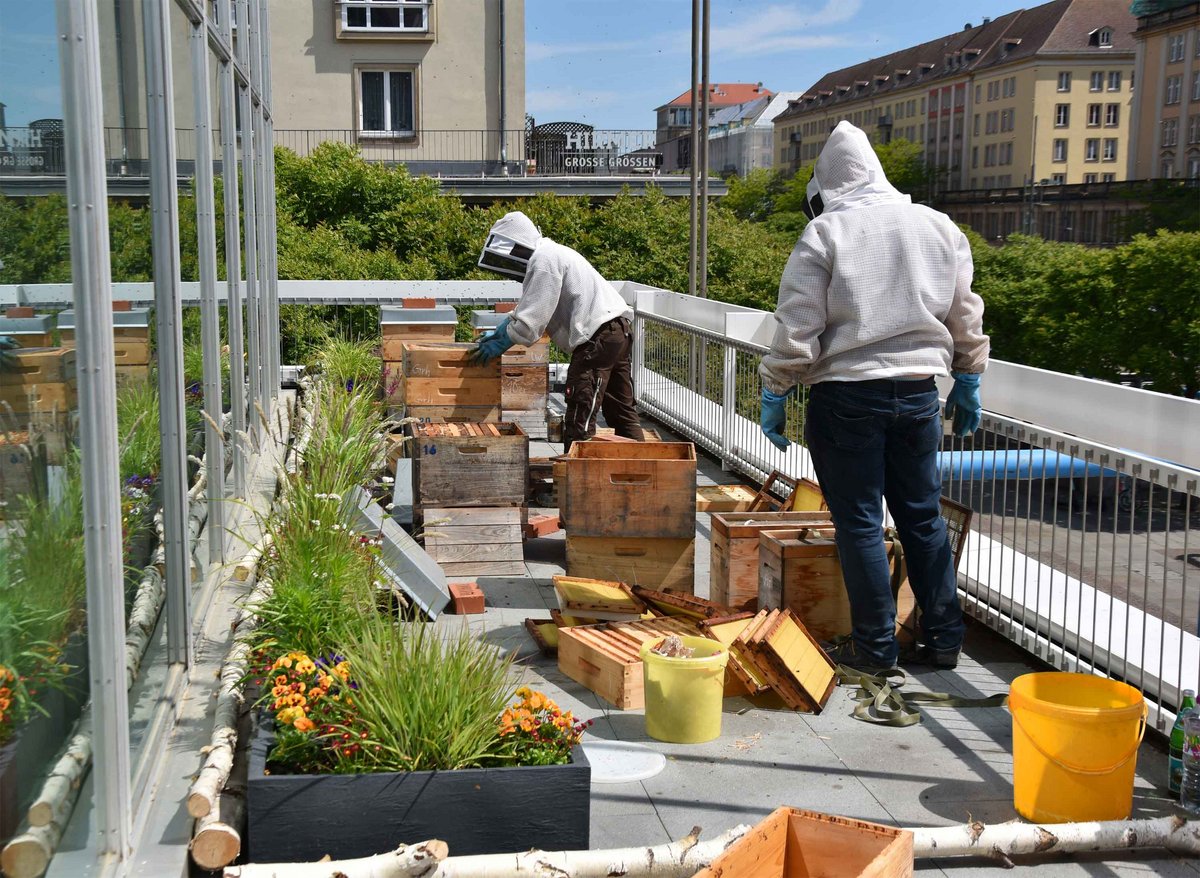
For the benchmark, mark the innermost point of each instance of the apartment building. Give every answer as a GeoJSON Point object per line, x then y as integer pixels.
{"type": "Point", "coordinates": [1166, 107]}
{"type": "Point", "coordinates": [673, 135]}
{"type": "Point", "coordinates": [422, 81]}
{"type": "Point", "coordinates": [1036, 94]}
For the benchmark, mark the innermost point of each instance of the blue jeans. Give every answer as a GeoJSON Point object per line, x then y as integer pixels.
{"type": "Point", "coordinates": [875, 439]}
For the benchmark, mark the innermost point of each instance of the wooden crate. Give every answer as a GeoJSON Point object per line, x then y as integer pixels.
{"type": "Point", "coordinates": [657, 563]}
{"type": "Point", "coordinates": [445, 361]}
{"type": "Point", "coordinates": [733, 568]}
{"type": "Point", "coordinates": [131, 352]}
{"type": "Point", "coordinates": [475, 542]}
{"type": "Point", "coordinates": [469, 465]}
{"type": "Point", "coordinates": [391, 346]}
{"type": "Point", "coordinates": [518, 355]}
{"type": "Point", "coordinates": [27, 399]}
{"type": "Point", "coordinates": [605, 658]}
{"type": "Point", "coordinates": [448, 414]}
{"type": "Point", "coordinates": [120, 333]}
{"type": "Point", "coordinates": [803, 573]}
{"type": "Point", "coordinates": [724, 498]}
{"type": "Point", "coordinates": [624, 489]}
{"type": "Point", "coordinates": [524, 387]}
{"type": "Point", "coordinates": [791, 843]}
{"type": "Point", "coordinates": [31, 366]}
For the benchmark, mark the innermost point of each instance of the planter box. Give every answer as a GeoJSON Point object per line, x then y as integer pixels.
{"type": "Point", "coordinates": [301, 817]}
{"type": "Point", "coordinates": [791, 843]}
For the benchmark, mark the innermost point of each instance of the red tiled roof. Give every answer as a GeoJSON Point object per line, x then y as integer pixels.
{"type": "Point", "coordinates": [724, 94]}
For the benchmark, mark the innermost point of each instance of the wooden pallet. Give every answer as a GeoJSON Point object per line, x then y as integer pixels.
{"type": "Point", "coordinates": [605, 658]}
{"type": "Point", "coordinates": [475, 542]}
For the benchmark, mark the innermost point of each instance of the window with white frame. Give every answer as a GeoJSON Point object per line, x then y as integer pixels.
{"type": "Point", "coordinates": [1114, 80]}
{"type": "Point", "coordinates": [1093, 115]}
{"type": "Point", "coordinates": [1006, 153]}
{"type": "Point", "coordinates": [1193, 165]}
{"type": "Point", "coordinates": [1060, 150]}
{"type": "Point", "coordinates": [1097, 81]}
{"type": "Point", "coordinates": [1112, 115]}
{"type": "Point", "coordinates": [1170, 132]}
{"type": "Point", "coordinates": [1091, 149]}
{"type": "Point", "coordinates": [1089, 178]}
{"type": "Point", "coordinates": [1109, 178]}
{"type": "Point", "coordinates": [386, 103]}
{"type": "Point", "coordinates": [1110, 149]}
{"type": "Point", "coordinates": [974, 158]}
{"type": "Point", "coordinates": [1104, 38]}
{"type": "Point", "coordinates": [1166, 168]}
{"type": "Point", "coordinates": [976, 128]}
{"type": "Point", "coordinates": [1194, 128]}
{"type": "Point", "coordinates": [1174, 89]}
{"type": "Point", "coordinates": [1196, 84]}
{"type": "Point", "coordinates": [1175, 48]}
{"type": "Point", "coordinates": [1062, 115]}
{"type": "Point", "coordinates": [1064, 80]}
{"type": "Point", "coordinates": [1007, 119]}
{"type": "Point", "coordinates": [993, 122]}
{"type": "Point", "coordinates": [1058, 179]}
{"type": "Point", "coordinates": [385, 16]}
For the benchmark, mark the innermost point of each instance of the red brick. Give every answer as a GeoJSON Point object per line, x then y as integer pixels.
{"type": "Point", "coordinates": [122, 305]}
{"type": "Point", "coordinates": [505, 307]}
{"type": "Point", "coordinates": [467, 598]}
{"type": "Point", "coordinates": [542, 525]}
{"type": "Point", "coordinates": [19, 311]}
{"type": "Point", "coordinates": [419, 303]}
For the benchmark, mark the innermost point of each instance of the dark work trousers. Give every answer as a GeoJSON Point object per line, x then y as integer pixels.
{"type": "Point", "coordinates": [600, 379]}
{"type": "Point", "coordinates": [875, 439]}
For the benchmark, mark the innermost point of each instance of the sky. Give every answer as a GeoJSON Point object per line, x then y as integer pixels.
{"type": "Point", "coordinates": [609, 63]}
{"type": "Point", "coordinates": [605, 62]}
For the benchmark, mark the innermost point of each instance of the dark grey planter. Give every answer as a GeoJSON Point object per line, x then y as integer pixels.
{"type": "Point", "coordinates": [300, 817]}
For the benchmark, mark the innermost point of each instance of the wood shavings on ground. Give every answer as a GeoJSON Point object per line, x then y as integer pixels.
{"type": "Point", "coordinates": [748, 742]}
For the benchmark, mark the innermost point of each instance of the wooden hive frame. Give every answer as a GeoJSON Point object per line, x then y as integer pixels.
{"type": "Point", "coordinates": [598, 599]}
{"type": "Point", "coordinates": [793, 662]}
{"type": "Point", "coordinates": [675, 603]}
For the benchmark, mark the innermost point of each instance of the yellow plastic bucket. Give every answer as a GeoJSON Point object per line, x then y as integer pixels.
{"type": "Point", "coordinates": [1075, 744]}
{"type": "Point", "coordinates": [684, 695]}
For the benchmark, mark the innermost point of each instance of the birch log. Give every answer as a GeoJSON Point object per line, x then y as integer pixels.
{"type": "Point", "coordinates": [679, 859]}
{"type": "Point", "coordinates": [61, 788]}
{"type": "Point", "coordinates": [217, 840]}
{"type": "Point", "coordinates": [202, 798]}
{"type": "Point", "coordinates": [29, 854]}
{"type": "Point", "coordinates": [1005, 840]}
{"type": "Point", "coordinates": [243, 569]}
{"type": "Point", "coordinates": [406, 861]}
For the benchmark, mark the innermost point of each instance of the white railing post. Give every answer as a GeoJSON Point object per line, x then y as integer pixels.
{"type": "Point", "coordinates": [728, 405]}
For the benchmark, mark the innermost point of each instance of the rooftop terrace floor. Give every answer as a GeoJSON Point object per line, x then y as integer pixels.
{"type": "Point", "coordinates": [953, 767]}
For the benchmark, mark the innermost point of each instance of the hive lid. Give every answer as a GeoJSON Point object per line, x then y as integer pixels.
{"type": "Point", "coordinates": [134, 318]}
{"type": "Point", "coordinates": [486, 319]}
{"type": "Point", "coordinates": [440, 315]}
{"type": "Point", "coordinates": [42, 323]}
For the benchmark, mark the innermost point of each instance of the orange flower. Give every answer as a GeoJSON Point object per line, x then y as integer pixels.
{"type": "Point", "coordinates": [304, 724]}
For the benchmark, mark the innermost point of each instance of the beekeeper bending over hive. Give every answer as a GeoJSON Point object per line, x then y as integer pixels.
{"type": "Point", "coordinates": [875, 301]}
{"type": "Point", "coordinates": [561, 293]}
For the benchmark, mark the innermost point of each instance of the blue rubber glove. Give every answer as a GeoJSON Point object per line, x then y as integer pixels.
{"type": "Point", "coordinates": [774, 417]}
{"type": "Point", "coordinates": [963, 403]}
{"type": "Point", "coordinates": [7, 346]}
{"type": "Point", "coordinates": [493, 345]}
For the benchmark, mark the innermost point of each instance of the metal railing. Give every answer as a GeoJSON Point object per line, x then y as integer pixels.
{"type": "Point", "coordinates": [1083, 553]}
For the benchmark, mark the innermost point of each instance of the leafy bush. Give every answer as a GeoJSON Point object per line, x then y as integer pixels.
{"type": "Point", "coordinates": [349, 363]}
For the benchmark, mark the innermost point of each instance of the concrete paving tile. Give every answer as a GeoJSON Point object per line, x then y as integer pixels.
{"type": "Point", "coordinates": [611, 800]}
{"type": "Point", "coordinates": [1131, 864]}
{"type": "Point", "coordinates": [511, 592]}
{"type": "Point", "coordinates": [627, 830]}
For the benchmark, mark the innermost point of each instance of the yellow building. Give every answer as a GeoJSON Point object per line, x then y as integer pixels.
{"type": "Point", "coordinates": [1037, 94]}
{"type": "Point", "coordinates": [1167, 103]}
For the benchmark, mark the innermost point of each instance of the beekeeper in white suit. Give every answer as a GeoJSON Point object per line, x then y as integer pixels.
{"type": "Point", "coordinates": [561, 293]}
{"type": "Point", "coordinates": [875, 301]}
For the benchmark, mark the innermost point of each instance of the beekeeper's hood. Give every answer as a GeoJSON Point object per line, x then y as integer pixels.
{"type": "Point", "coordinates": [848, 175]}
{"type": "Point", "coordinates": [509, 245]}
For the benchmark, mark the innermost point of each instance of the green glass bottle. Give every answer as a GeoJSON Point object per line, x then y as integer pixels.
{"type": "Point", "coordinates": [1175, 759]}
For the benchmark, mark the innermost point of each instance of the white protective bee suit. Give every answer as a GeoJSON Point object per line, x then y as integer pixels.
{"type": "Point", "coordinates": [564, 295]}
{"type": "Point", "coordinates": [876, 287]}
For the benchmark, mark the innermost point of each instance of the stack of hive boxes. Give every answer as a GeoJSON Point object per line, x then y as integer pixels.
{"type": "Point", "coordinates": [419, 321]}
{"type": "Point", "coordinates": [439, 383]}
{"type": "Point", "coordinates": [38, 401]}
{"type": "Point", "coordinates": [131, 340]}
{"type": "Point", "coordinates": [469, 483]}
{"type": "Point", "coordinates": [630, 513]}
{"type": "Point", "coordinates": [524, 376]}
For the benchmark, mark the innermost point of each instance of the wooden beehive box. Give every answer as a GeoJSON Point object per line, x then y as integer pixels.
{"type": "Point", "coordinates": [483, 322]}
{"type": "Point", "coordinates": [27, 329]}
{"type": "Point", "coordinates": [624, 489]}
{"type": "Point", "coordinates": [524, 388]}
{"type": "Point", "coordinates": [724, 498]}
{"type": "Point", "coordinates": [28, 399]}
{"type": "Point", "coordinates": [801, 571]}
{"type": "Point", "coordinates": [791, 843]}
{"type": "Point", "coordinates": [605, 658]}
{"type": "Point", "coordinates": [475, 542]}
{"type": "Point", "coordinates": [30, 366]}
{"type": "Point", "coordinates": [441, 375]}
{"type": "Point", "coordinates": [657, 563]}
{"type": "Point", "coordinates": [469, 465]}
{"type": "Point", "coordinates": [733, 571]}
{"type": "Point", "coordinates": [131, 333]}
{"type": "Point", "coordinates": [448, 414]}
{"type": "Point", "coordinates": [399, 326]}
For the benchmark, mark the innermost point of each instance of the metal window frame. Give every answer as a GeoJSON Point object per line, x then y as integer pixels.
{"type": "Point", "coordinates": [118, 808]}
